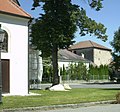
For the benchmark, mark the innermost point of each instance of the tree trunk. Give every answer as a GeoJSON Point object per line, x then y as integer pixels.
{"type": "Point", "coordinates": [55, 65]}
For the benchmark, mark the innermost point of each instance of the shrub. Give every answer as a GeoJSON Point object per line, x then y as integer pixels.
{"type": "Point", "coordinates": [98, 73]}
{"type": "Point", "coordinates": [75, 71]}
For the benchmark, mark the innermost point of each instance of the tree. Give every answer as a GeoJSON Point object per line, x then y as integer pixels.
{"type": "Point", "coordinates": [55, 28]}
{"type": "Point", "coordinates": [116, 45]}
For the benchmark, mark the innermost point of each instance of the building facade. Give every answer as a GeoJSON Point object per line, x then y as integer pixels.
{"type": "Point", "coordinates": [94, 52]}
{"type": "Point", "coordinates": [66, 58]}
{"type": "Point", "coordinates": [14, 21]}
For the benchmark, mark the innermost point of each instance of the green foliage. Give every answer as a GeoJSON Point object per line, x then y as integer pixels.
{"type": "Point", "coordinates": [116, 45]}
{"type": "Point", "coordinates": [96, 4]}
{"type": "Point", "coordinates": [116, 41]}
{"type": "Point", "coordinates": [75, 71]}
{"type": "Point", "coordinates": [64, 73]}
{"type": "Point", "coordinates": [98, 73]}
{"type": "Point", "coordinates": [55, 28]}
{"type": "Point", "coordinates": [78, 71]}
{"type": "Point", "coordinates": [89, 26]}
{"type": "Point", "coordinates": [59, 23]}
{"type": "Point", "coordinates": [47, 71]}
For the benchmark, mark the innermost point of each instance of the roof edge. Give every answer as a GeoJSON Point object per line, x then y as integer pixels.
{"type": "Point", "coordinates": [11, 14]}
{"type": "Point", "coordinates": [18, 6]}
{"type": "Point", "coordinates": [91, 47]}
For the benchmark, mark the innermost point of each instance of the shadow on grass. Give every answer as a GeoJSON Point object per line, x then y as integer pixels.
{"type": "Point", "coordinates": [110, 88]}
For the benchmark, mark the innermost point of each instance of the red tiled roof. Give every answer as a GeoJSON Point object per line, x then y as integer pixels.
{"type": "Point", "coordinates": [12, 8]}
{"type": "Point", "coordinates": [88, 44]}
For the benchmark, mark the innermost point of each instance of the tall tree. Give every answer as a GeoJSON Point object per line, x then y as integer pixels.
{"type": "Point", "coordinates": [116, 45]}
{"type": "Point", "coordinates": [55, 28]}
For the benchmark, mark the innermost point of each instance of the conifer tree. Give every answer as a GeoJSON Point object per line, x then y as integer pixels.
{"type": "Point", "coordinates": [116, 46]}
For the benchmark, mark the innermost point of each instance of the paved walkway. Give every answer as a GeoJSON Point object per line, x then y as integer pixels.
{"type": "Point", "coordinates": [85, 85]}
{"type": "Point", "coordinates": [82, 108]}
{"type": "Point", "coordinates": [97, 108]}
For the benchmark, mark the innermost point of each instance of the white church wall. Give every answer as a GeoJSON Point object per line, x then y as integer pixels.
{"type": "Point", "coordinates": [17, 30]}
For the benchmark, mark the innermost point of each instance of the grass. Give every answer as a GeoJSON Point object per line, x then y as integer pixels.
{"type": "Point", "coordinates": [55, 98]}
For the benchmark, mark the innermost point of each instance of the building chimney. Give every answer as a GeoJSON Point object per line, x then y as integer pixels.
{"type": "Point", "coordinates": [82, 54]}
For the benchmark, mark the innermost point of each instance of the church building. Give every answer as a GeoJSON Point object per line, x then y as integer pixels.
{"type": "Point", "coordinates": [14, 22]}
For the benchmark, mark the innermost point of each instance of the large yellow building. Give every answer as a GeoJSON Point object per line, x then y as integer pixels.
{"type": "Point", "coordinates": [92, 51]}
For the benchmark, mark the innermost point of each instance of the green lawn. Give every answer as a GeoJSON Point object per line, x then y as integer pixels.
{"type": "Point", "coordinates": [54, 98]}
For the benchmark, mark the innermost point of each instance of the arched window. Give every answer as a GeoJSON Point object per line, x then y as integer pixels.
{"type": "Point", "coordinates": [4, 47]}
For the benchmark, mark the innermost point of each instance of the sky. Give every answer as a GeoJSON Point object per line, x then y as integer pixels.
{"type": "Point", "coordinates": [109, 15]}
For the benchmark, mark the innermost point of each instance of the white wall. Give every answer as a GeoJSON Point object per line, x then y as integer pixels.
{"type": "Point", "coordinates": [17, 52]}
